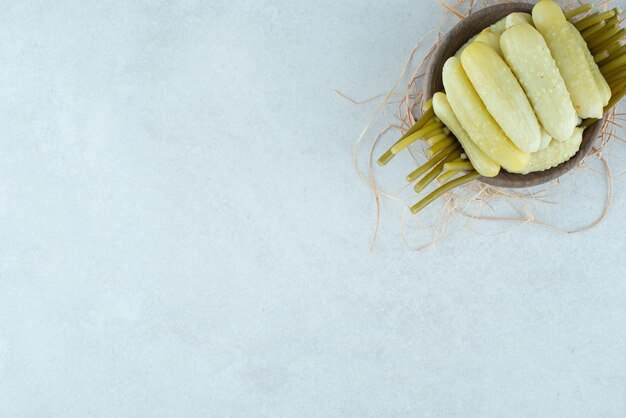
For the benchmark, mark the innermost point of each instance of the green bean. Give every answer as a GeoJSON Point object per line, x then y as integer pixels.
{"type": "Point", "coordinates": [434, 173]}
{"type": "Point", "coordinates": [447, 176]}
{"type": "Point", "coordinates": [431, 163]}
{"type": "Point", "coordinates": [588, 21]}
{"type": "Point", "coordinates": [616, 53]}
{"type": "Point", "coordinates": [593, 19]}
{"type": "Point", "coordinates": [434, 139]}
{"type": "Point", "coordinates": [615, 77]}
{"type": "Point", "coordinates": [603, 37]}
{"type": "Point", "coordinates": [578, 11]}
{"type": "Point", "coordinates": [385, 158]}
{"type": "Point", "coordinates": [604, 45]}
{"type": "Point", "coordinates": [434, 133]}
{"type": "Point", "coordinates": [615, 49]}
{"type": "Point", "coordinates": [589, 33]}
{"type": "Point", "coordinates": [601, 56]}
{"type": "Point", "coordinates": [613, 65]}
{"type": "Point", "coordinates": [588, 122]}
{"type": "Point", "coordinates": [608, 25]}
{"type": "Point", "coordinates": [426, 118]}
{"type": "Point", "coordinates": [619, 95]}
{"type": "Point", "coordinates": [427, 130]}
{"type": "Point", "coordinates": [613, 73]}
{"type": "Point", "coordinates": [616, 86]}
{"type": "Point", "coordinates": [614, 21]}
{"type": "Point", "coordinates": [458, 165]}
{"type": "Point", "coordinates": [619, 91]}
{"type": "Point", "coordinates": [434, 149]}
{"type": "Point", "coordinates": [443, 190]}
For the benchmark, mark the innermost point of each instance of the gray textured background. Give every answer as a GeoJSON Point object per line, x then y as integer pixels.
{"type": "Point", "coordinates": [182, 232]}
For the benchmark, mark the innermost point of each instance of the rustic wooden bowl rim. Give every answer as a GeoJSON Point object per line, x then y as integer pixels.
{"type": "Point", "coordinates": [451, 43]}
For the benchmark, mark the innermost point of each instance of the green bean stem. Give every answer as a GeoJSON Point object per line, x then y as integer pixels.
{"type": "Point", "coordinates": [434, 139]}
{"type": "Point", "coordinates": [407, 140]}
{"type": "Point", "coordinates": [617, 96]}
{"type": "Point", "coordinates": [427, 130]}
{"type": "Point", "coordinates": [434, 149]}
{"type": "Point", "coordinates": [594, 18]}
{"type": "Point", "coordinates": [616, 52]}
{"type": "Point", "coordinates": [434, 132]}
{"type": "Point", "coordinates": [619, 91]}
{"type": "Point", "coordinates": [443, 190]}
{"type": "Point", "coordinates": [615, 38]}
{"type": "Point", "coordinates": [428, 105]}
{"type": "Point", "coordinates": [614, 21]}
{"type": "Point", "coordinates": [613, 65]}
{"type": "Point", "coordinates": [431, 162]}
{"type": "Point", "coordinates": [421, 122]}
{"type": "Point", "coordinates": [588, 21]}
{"type": "Point", "coordinates": [609, 25]}
{"type": "Point", "coordinates": [447, 176]}
{"type": "Point", "coordinates": [426, 117]}
{"type": "Point", "coordinates": [603, 37]}
{"type": "Point", "coordinates": [616, 86]}
{"type": "Point", "coordinates": [601, 56]}
{"type": "Point", "coordinates": [436, 171]}
{"type": "Point", "coordinates": [589, 33]}
{"type": "Point", "coordinates": [616, 79]}
{"type": "Point", "coordinates": [612, 74]}
{"type": "Point", "coordinates": [614, 48]}
{"type": "Point", "coordinates": [458, 165]}
{"type": "Point", "coordinates": [578, 11]}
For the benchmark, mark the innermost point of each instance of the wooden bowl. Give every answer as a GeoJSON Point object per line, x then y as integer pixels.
{"type": "Point", "coordinates": [451, 43]}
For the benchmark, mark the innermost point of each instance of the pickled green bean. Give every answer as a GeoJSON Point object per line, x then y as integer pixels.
{"type": "Point", "coordinates": [447, 176]}
{"type": "Point", "coordinates": [601, 56]}
{"type": "Point", "coordinates": [458, 165]}
{"type": "Point", "coordinates": [594, 19]}
{"type": "Point", "coordinates": [578, 11]}
{"type": "Point", "coordinates": [434, 149]}
{"type": "Point", "coordinates": [426, 118]}
{"type": "Point", "coordinates": [613, 65]}
{"type": "Point", "coordinates": [436, 171]}
{"type": "Point", "coordinates": [443, 190]}
{"type": "Point", "coordinates": [589, 33]}
{"type": "Point", "coordinates": [431, 163]}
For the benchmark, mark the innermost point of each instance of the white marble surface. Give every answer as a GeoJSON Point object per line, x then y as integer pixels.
{"type": "Point", "coordinates": [182, 233]}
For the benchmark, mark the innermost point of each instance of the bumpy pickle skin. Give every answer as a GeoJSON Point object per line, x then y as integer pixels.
{"type": "Point", "coordinates": [518, 19]}
{"type": "Point", "coordinates": [598, 78]}
{"type": "Point", "coordinates": [569, 57]}
{"type": "Point", "coordinates": [490, 38]}
{"type": "Point", "coordinates": [555, 154]}
{"type": "Point", "coordinates": [483, 164]}
{"type": "Point", "coordinates": [503, 96]}
{"type": "Point", "coordinates": [528, 55]}
{"type": "Point", "coordinates": [464, 47]}
{"type": "Point", "coordinates": [476, 120]}
{"type": "Point", "coordinates": [545, 139]}
{"type": "Point", "coordinates": [499, 27]}
{"type": "Point", "coordinates": [487, 36]}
